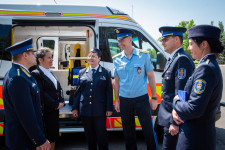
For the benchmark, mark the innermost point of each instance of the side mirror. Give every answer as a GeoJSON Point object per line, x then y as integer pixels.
{"type": "Point", "coordinates": [161, 61]}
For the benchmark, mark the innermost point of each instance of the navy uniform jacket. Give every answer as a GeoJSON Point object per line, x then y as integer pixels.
{"type": "Point", "coordinates": [204, 91]}
{"type": "Point", "coordinates": [23, 120]}
{"type": "Point", "coordinates": [50, 96]}
{"type": "Point", "coordinates": [94, 96]}
{"type": "Point", "coordinates": [174, 78]}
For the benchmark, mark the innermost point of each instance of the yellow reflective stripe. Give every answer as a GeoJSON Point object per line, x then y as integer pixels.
{"type": "Point", "coordinates": [1, 128]}
{"type": "Point", "coordinates": [1, 101]}
{"type": "Point", "coordinates": [11, 12]}
{"type": "Point", "coordinates": [96, 15]}
{"type": "Point", "coordinates": [118, 122]}
{"type": "Point", "coordinates": [137, 122]}
{"type": "Point", "coordinates": [75, 76]}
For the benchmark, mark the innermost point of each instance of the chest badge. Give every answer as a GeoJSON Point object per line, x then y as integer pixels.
{"type": "Point", "coordinates": [181, 73]}
{"type": "Point", "coordinates": [139, 70]}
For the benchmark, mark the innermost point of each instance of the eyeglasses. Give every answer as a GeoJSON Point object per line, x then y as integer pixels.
{"type": "Point", "coordinates": [92, 56]}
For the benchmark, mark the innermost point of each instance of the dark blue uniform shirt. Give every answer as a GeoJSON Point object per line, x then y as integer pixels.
{"type": "Point", "coordinates": [204, 91]}
{"type": "Point", "coordinates": [174, 78]}
{"type": "Point", "coordinates": [23, 120]}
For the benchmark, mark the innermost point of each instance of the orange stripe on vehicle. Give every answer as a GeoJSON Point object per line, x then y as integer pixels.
{"type": "Point", "coordinates": [96, 15]}
{"type": "Point", "coordinates": [1, 128]}
{"type": "Point", "coordinates": [158, 92]}
{"type": "Point", "coordinates": [26, 13]}
{"type": "Point", "coordinates": [1, 97]}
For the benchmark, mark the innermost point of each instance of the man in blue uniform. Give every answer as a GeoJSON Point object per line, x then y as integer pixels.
{"type": "Point", "coordinates": [176, 73]}
{"type": "Point", "coordinates": [132, 68]}
{"type": "Point", "coordinates": [23, 120]}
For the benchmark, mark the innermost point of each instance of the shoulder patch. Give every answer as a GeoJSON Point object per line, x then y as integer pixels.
{"type": "Point", "coordinates": [199, 86]}
{"type": "Point", "coordinates": [181, 73]}
{"type": "Point", "coordinates": [116, 55]}
{"type": "Point", "coordinates": [143, 51]}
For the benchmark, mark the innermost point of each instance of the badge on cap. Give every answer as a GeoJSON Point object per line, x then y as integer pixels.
{"type": "Point", "coordinates": [181, 73]}
{"type": "Point", "coordinates": [117, 31]}
{"type": "Point", "coordinates": [199, 86]}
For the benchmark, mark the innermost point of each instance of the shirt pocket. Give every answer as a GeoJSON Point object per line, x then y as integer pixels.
{"type": "Point", "coordinates": [122, 72]}
{"type": "Point", "coordinates": [138, 69]}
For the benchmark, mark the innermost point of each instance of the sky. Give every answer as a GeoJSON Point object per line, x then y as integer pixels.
{"type": "Point", "coordinates": [152, 14]}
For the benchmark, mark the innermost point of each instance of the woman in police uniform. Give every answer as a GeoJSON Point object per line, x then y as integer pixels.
{"type": "Point", "coordinates": [204, 91]}
{"type": "Point", "coordinates": [94, 100]}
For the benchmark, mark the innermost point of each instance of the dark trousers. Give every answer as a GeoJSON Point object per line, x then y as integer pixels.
{"type": "Point", "coordinates": [95, 132]}
{"type": "Point", "coordinates": [140, 105]}
{"type": "Point", "coordinates": [169, 141]}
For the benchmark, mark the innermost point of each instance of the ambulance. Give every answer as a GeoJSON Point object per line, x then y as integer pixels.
{"type": "Point", "coordinates": [71, 31]}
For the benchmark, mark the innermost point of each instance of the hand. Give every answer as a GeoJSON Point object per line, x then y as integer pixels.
{"type": "Point", "coordinates": [173, 130]}
{"type": "Point", "coordinates": [176, 118]}
{"type": "Point", "coordinates": [75, 113]}
{"type": "Point", "coordinates": [117, 106]}
{"type": "Point", "coordinates": [108, 113]}
{"type": "Point", "coordinates": [61, 105]}
{"type": "Point", "coordinates": [45, 146]}
{"type": "Point", "coordinates": [154, 104]}
{"type": "Point", "coordinates": [176, 97]}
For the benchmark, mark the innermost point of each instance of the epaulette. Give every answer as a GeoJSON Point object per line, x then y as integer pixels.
{"type": "Point", "coordinates": [18, 72]}
{"type": "Point", "coordinates": [25, 71]}
{"type": "Point", "coordinates": [143, 51]}
{"type": "Point", "coordinates": [116, 55]}
{"type": "Point", "coordinates": [206, 62]}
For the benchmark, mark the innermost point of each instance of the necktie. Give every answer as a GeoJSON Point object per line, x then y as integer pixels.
{"type": "Point", "coordinates": [93, 72]}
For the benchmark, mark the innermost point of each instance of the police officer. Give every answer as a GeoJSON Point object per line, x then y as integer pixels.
{"type": "Point", "coordinates": [94, 101]}
{"type": "Point", "coordinates": [176, 73]}
{"type": "Point", "coordinates": [132, 68]}
{"type": "Point", "coordinates": [23, 120]}
{"type": "Point", "coordinates": [204, 91]}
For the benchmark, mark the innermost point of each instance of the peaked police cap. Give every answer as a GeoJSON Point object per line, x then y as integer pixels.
{"type": "Point", "coordinates": [170, 31]}
{"type": "Point", "coordinates": [20, 47]}
{"type": "Point", "coordinates": [123, 33]}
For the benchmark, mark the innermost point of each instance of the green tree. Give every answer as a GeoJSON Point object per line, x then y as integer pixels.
{"type": "Point", "coordinates": [188, 25]}
{"type": "Point", "coordinates": [221, 58]}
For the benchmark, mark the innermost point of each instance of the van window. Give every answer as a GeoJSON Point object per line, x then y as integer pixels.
{"type": "Point", "coordinates": [5, 41]}
{"type": "Point", "coordinates": [49, 43]}
{"type": "Point", "coordinates": [108, 44]}
{"type": "Point", "coordinates": [146, 45]}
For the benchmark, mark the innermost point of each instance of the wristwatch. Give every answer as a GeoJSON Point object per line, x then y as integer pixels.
{"type": "Point", "coordinates": [155, 98]}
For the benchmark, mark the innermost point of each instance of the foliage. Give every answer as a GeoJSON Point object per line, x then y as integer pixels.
{"type": "Point", "coordinates": [188, 25]}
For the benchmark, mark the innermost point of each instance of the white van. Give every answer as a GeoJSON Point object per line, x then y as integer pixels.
{"type": "Point", "coordinates": [71, 31]}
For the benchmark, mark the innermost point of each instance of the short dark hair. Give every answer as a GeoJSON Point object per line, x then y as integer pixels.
{"type": "Point", "coordinates": [180, 37]}
{"type": "Point", "coordinates": [215, 44]}
{"type": "Point", "coordinates": [17, 57]}
{"type": "Point", "coordinates": [41, 53]}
